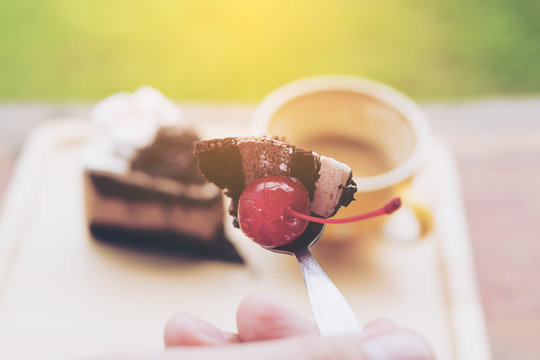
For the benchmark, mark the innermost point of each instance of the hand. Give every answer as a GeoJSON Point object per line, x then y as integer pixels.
{"type": "Point", "coordinates": [269, 330]}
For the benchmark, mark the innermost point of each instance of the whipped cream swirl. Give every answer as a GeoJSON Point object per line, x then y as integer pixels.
{"type": "Point", "coordinates": [127, 122]}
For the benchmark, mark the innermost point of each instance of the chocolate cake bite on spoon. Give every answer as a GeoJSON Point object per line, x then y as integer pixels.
{"type": "Point", "coordinates": [233, 163]}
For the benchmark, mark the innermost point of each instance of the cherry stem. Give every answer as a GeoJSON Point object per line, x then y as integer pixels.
{"type": "Point", "coordinates": [389, 208]}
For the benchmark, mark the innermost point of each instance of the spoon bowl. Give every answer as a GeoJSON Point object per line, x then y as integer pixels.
{"type": "Point", "coordinates": [309, 237]}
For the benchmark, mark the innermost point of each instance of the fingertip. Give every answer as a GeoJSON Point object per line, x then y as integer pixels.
{"type": "Point", "coordinates": [255, 299]}
{"type": "Point", "coordinates": [261, 317]}
{"type": "Point", "coordinates": [256, 304]}
{"type": "Point", "coordinates": [187, 330]}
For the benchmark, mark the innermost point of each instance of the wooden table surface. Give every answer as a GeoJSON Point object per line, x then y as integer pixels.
{"type": "Point", "coordinates": [497, 148]}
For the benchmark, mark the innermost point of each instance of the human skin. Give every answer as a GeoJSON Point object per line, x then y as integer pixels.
{"type": "Point", "coordinates": [268, 330]}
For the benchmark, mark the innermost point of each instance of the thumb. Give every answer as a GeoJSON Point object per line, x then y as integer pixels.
{"type": "Point", "coordinates": [389, 345]}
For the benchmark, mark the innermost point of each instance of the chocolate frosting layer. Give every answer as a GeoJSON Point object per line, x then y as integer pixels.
{"type": "Point", "coordinates": [221, 163]}
{"type": "Point", "coordinates": [112, 187]}
{"type": "Point", "coordinates": [170, 156]}
{"type": "Point", "coordinates": [305, 167]}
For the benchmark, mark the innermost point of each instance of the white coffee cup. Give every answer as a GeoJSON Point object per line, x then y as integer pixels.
{"type": "Point", "coordinates": [382, 134]}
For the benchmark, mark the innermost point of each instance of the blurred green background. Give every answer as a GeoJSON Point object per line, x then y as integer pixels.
{"type": "Point", "coordinates": [239, 50]}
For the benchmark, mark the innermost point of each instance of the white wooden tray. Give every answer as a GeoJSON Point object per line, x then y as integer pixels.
{"type": "Point", "coordinates": [63, 295]}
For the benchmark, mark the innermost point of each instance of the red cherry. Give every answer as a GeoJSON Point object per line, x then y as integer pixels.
{"type": "Point", "coordinates": [261, 210]}
{"type": "Point", "coordinates": [272, 211]}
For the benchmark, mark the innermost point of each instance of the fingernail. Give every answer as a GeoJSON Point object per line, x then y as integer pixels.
{"type": "Point", "coordinates": [211, 335]}
{"type": "Point", "coordinates": [186, 330]}
{"type": "Point", "coordinates": [402, 345]}
{"type": "Point", "coordinates": [206, 330]}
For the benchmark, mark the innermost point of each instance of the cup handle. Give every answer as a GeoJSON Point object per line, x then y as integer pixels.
{"type": "Point", "coordinates": [422, 213]}
{"type": "Point", "coordinates": [411, 223]}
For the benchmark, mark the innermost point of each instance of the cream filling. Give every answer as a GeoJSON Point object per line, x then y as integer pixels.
{"type": "Point", "coordinates": [202, 222]}
{"type": "Point", "coordinates": [203, 192]}
{"type": "Point", "coordinates": [328, 188]}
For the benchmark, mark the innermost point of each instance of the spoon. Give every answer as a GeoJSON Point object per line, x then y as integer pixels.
{"type": "Point", "coordinates": [332, 313]}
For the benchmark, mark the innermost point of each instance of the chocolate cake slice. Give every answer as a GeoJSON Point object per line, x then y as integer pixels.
{"type": "Point", "coordinates": [142, 185]}
{"type": "Point", "coordinates": [232, 163]}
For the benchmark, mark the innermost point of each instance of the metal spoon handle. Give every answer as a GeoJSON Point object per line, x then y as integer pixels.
{"type": "Point", "coordinates": [331, 311]}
